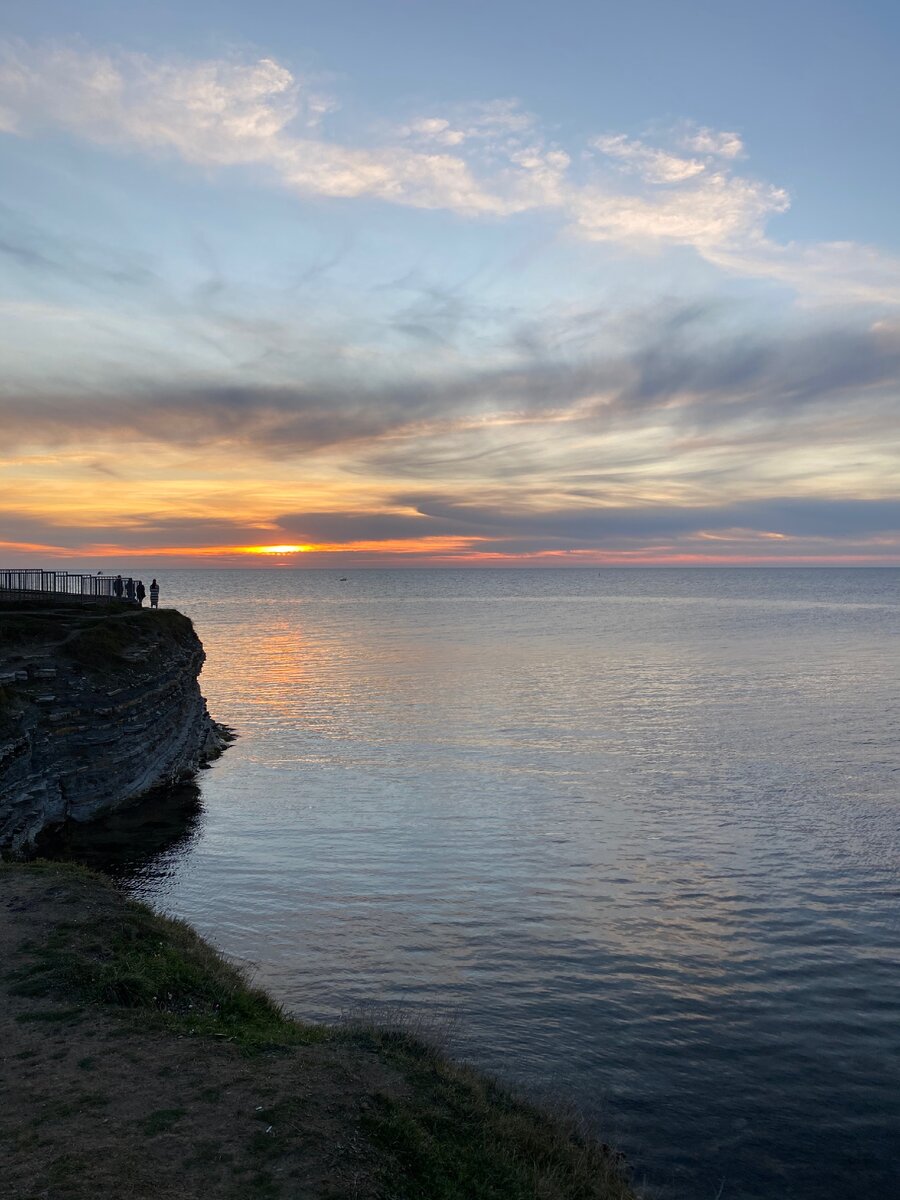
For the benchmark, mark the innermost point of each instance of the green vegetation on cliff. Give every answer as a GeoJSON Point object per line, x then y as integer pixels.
{"type": "Point", "coordinates": [101, 637]}
{"type": "Point", "coordinates": [143, 1064]}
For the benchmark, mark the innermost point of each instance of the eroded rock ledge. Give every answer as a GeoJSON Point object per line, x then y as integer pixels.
{"type": "Point", "coordinates": [98, 706]}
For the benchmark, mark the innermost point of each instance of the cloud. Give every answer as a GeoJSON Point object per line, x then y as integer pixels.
{"type": "Point", "coordinates": [35, 251]}
{"type": "Point", "coordinates": [343, 527]}
{"type": "Point", "coordinates": [684, 396]}
{"type": "Point", "coordinates": [709, 371]}
{"type": "Point", "coordinates": [374, 422]}
{"type": "Point", "coordinates": [434, 129]}
{"type": "Point", "coordinates": [223, 113]}
{"type": "Point", "coordinates": [652, 164]}
{"type": "Point", "coordinates": [137, 530]}
{"type": "Point", "coordinates": [714, 214]}
{"type": "Point", "coordinates": [700, 204]}
{"type": "Point", "coordinates": [712, 142]}
{"type": "Point", "coordinates": [473, 122]}
{"type": "Point", "coordinates": [835, 273]}
{"type": "Point", "coordinates": [442, 527]}
{"type": "Point", "coordinates": [597, 525]}
{"type": "Point", "coordinates": [215, 112]}
{"type": "Point", "coordinates": [691, 442]}
{"type": "Point", "coordinates": [282, 421]}
{"type": "Point", "coordinates": [481, 160]}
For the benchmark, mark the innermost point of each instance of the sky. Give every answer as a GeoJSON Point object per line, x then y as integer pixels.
{"type": "Point", "coordinates": [419, 283]}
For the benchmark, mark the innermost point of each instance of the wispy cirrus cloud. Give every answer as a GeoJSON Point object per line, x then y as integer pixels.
{"type": "Point", "coordinates": [488, 160]}
{"type": "Point", "coordinates": [684, 387]}
{"type": "Point", "coordinates": [686, 445]}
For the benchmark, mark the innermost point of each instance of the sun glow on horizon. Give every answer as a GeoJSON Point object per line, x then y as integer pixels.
{"type": "Point", "coordinates": [442, 328]}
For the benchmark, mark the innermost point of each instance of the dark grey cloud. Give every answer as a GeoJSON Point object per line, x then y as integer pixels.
{"type": "Point", "coordinates": [597, 527]}
{"type": "Point", "coordinates": [363, 527]}
{"type": "Point", "coordinates": [278, 421]}
{"type": "Point", "coordinates": [845, 526]}
{"type": "Point", "coordinates": [762, 373]}
{"type": "Point", "coordinates": [138, 530]}
{"type": "Point", "coordinates": [738, 387]}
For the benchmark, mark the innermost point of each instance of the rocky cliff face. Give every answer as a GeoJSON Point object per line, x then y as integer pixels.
{"type": "Point", "coordinates": [98, 705]}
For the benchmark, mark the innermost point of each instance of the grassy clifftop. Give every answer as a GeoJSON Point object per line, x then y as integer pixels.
{"type": "Point", "coordinates": [142, 1064]}
{"type": "Point", "coordinates": [97, 637]}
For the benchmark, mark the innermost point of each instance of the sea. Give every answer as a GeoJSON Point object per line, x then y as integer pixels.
{"type": "Point", "coordinates": [626, 838]}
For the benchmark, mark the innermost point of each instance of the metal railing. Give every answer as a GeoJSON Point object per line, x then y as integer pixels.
{"type": "Point", "coordinates": [31, 581]}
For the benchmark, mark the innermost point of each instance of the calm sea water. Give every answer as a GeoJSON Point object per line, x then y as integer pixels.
{"type": "Point", "coordinates": [633, 832]}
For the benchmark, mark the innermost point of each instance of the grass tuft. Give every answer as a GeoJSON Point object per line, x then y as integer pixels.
{"type": "Point", "coordinates": [129, 957]}
{"type": "Point", "coordinates": [455, 1134]}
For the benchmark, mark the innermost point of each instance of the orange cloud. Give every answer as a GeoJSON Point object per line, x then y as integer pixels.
{"type": "Point", "coordinates": [433, 552]}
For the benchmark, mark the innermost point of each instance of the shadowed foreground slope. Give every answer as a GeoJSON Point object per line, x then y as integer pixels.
{"type": "Point", "coordinates": [137, 1063]}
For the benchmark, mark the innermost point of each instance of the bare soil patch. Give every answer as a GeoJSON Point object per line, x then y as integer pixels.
{"type": "Point", "coordinates": [95, 1106]}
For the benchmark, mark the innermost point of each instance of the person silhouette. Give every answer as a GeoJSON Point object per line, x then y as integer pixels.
{"type": "Point", "coordinates": [140, 591]}
{"type": "Point", "coordinates": [154, 594]}
{"type": "Point", "coordinates": [118, 587]}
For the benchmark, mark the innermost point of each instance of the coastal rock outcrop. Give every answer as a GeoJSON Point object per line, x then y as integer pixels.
{"type": "Point", "coordinates": [98, 706]}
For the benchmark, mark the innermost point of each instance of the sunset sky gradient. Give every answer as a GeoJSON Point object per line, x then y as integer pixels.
{"type": "Point", "coordinates": [421, 283]}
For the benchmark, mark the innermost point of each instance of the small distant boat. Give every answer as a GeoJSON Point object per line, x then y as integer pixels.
{"type": "Point", "coordinates": [343, 579]}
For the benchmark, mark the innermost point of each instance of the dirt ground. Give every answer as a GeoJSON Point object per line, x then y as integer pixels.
{"type": "Point", "coordinates": [136, 1063]}
{"type": "Point", "coordinates": [93, 1106]}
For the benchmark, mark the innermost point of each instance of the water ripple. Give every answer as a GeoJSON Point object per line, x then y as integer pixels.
{"type": "Point", "coordinates": [635, 832]}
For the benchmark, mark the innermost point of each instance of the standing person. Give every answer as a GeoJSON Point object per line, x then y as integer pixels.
{"type": "Point", "coordinates": [118, 587]}
{"type": "Point", "coordinates": [129, 590]}
{"type": "Point", "coordinates": [154, 594]}
{"type": "Point", "coordinates": [140, 591]}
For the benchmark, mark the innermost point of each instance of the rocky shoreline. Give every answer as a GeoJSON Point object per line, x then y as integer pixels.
{"type": "Point", "coordinates": [99, 705]}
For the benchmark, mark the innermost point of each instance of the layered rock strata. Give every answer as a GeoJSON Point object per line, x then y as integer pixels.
{"type": "Point", "coordinates": [98, 706]}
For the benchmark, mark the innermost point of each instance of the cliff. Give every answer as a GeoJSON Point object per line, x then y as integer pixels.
{"type": "Point", "coordinates": [98, 706]}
